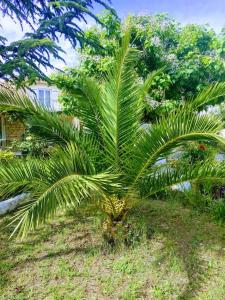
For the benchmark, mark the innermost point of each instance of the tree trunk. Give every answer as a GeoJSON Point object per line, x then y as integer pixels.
{"type": "Point", "coordinates": [115, 227]}
{"type": "Point", "coordinates": [115, 230]}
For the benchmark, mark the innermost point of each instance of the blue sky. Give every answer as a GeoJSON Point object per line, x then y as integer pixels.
{"type": "Point", "coordinates": [184, 11]}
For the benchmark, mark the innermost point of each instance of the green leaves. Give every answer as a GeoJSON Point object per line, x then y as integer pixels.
{"type": "Point", "coordinates": [171, 132]}
{"type": "Point", "coordinates": [209, 95]}
{"type": "Point", "coordinates": [49, 125]}
{"type": "Point", "coordinates": [87, 99]}
{"type": "Point", "coordinates": [122, 107]}
{"type": "Point", "coordinates": [68, 191]}
{"type": "Point", "coordinates": [65, 180]}
{"type": "Point", "coordinates": [23, 60]}
{"type": "Point", "coordinates": [109, 154]}
{"type": "Point", "coordinates": [19, 176]}
{"type": "Point", "coordinates": [113, 110]}
{"type": "Point", "coordinates": [161, 179]}
{"type": "Point", "coordinates": [12, 100]}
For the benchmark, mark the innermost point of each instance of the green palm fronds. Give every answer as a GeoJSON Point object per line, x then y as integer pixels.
{"type": "Point", "coordinates": [109, 157]}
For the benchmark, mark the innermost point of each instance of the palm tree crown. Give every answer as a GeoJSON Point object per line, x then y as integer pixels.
{"type": "Point", "coordinates": [110, 156]}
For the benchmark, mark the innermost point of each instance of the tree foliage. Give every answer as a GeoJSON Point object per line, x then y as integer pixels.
{"type": "Point", "coordinates": [48, 21]}
{"type": "Point", "coordinates": [194, 56]}
{"type": "Point", "coordinates": [109, 157]}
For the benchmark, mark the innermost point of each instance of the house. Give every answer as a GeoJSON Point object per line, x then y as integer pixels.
{"type": "Point", "coordinates": [41, 92]}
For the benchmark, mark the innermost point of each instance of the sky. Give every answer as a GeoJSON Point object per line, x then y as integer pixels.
{"type": "Point", "coordinates": [210, 12]}
{"type": "Point", "coordinates": [185, 11]}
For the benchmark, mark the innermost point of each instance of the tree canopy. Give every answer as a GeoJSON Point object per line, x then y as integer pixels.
{"type": "Point", "coordinates": [193, 56]}
{"type": "Point", "coordinates": [48, 21]}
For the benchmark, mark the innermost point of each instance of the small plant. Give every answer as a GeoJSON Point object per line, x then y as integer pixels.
{"type": "Point", "coordinates": [32, 146]}
{"type": "Point", "coordinates": [200, 202]}
{"type": "Point", "coordinates": [197, 151]}
{"type": "Point", "coordinates": [6, 156]}
{"type": "Point", "coordinates": [218, 210]}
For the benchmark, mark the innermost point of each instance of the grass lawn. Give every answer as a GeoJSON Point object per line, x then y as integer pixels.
{"type": "Point", "coordinates": [181, 256]}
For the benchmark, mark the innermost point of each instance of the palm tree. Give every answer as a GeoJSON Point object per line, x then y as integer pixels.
{"type": "Point", "coordinates": [110, 158]}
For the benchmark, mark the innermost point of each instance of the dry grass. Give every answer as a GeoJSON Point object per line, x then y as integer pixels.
{"type": "Point", "coordinates": [180, 255]}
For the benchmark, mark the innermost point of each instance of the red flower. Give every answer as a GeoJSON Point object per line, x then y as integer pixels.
{"type": "Point", "coordinates": [202, 147]}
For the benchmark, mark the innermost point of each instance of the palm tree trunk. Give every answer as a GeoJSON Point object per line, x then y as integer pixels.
{"type": "Point", "coordinates": [115, 226]}
{"type": "Point", "coordinates": [115, 230]}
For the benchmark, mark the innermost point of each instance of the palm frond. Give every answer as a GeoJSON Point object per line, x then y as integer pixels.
{"type": "Point", "coordinates": [145, 87]}
{"type": "Point", "coordinates": [68, 191]}
{"type": "Point", "coordinates": [209, 95]}
{"type": "Point", "coordinates": [49, 125]}
{"type": "Point", "coordinates": [171, 132]}
{"type": "Point", "coordinates": [18, 177]}
{"type": "Point", "coordinates": [122, 107]}
{"type": "Point", "coordinates": [12, 100]}
{"type": "Point", "coordinates": [56, 128]}
{"type": "Point", "coordinates": [87, 98]}
{"type": "Point", "coordinates": [24, 175]}
{"type": "Point", "coordinates": [160, 180]}
{"type": "Point", "coordinates": [64, 180]}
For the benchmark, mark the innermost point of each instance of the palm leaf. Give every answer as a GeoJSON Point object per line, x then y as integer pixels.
{"type": "Point", "coordinates": [12, 100]}
{"type": "Point", "coordinates": [171, 132]}
{"type": "Point", "coordinates": [209, 95]}
{"type": "Point", "coordinates": [64, 180]}
{"type": "Point", "coordinates": [122, 109]}
{"type": "Point", "coordinates": [57, 129]}
{"type": "Point", "coordinates": [19, 176]}
{"type": "Point", "coordinates": [145, 87]}
{"type": "Point", "coordinates": [68, 191]}
{"type": "Point", "coordinates": [87, 99]}
{"type": "Point", "coordinates": [50, 126]}
{"type": "Point", "coordinates": [160, 180]}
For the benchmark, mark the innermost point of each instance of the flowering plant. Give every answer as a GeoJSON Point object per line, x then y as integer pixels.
{"type": "Point", "coordinates": [195, 152]}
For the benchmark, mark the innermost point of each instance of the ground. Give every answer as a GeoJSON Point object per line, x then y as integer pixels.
{"type": "Point", "coordinates": [180, 255]}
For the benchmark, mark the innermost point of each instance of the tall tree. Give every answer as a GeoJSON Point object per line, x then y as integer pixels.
{"type": "Point", "coordinates": [48, 20]}
{"type": "Point", "coordinates": [194, 56]}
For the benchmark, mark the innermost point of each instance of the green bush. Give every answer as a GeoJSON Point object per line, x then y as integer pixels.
{"type": "Point", "coordinates": [6, 155]}
{"type": "Point", "coordinates": [32, 146]}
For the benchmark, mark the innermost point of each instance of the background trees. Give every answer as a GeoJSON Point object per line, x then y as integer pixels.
{"type": "Point", "coordinates": [48, 20]}
{"type": "Point", "coordinates": [194, 56]}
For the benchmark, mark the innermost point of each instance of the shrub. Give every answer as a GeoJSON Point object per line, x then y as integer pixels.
{"type": "Point", "coordinates": [6, 155]}
{"type": "Point", "coordinates": [32, 146]}
{"type": "Point", "coordinates": [108, 158]}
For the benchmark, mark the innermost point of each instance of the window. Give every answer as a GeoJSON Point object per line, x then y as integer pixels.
{"type": "Point", "coordinates": [2, 131]}
{"type": "Point", "coordinates": [47, 99]}
{"type": "Point", "coordinates": [43, 97]}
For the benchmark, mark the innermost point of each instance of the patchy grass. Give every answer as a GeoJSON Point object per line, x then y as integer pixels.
{"type": "Point", "coordinates": [180, 255]}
